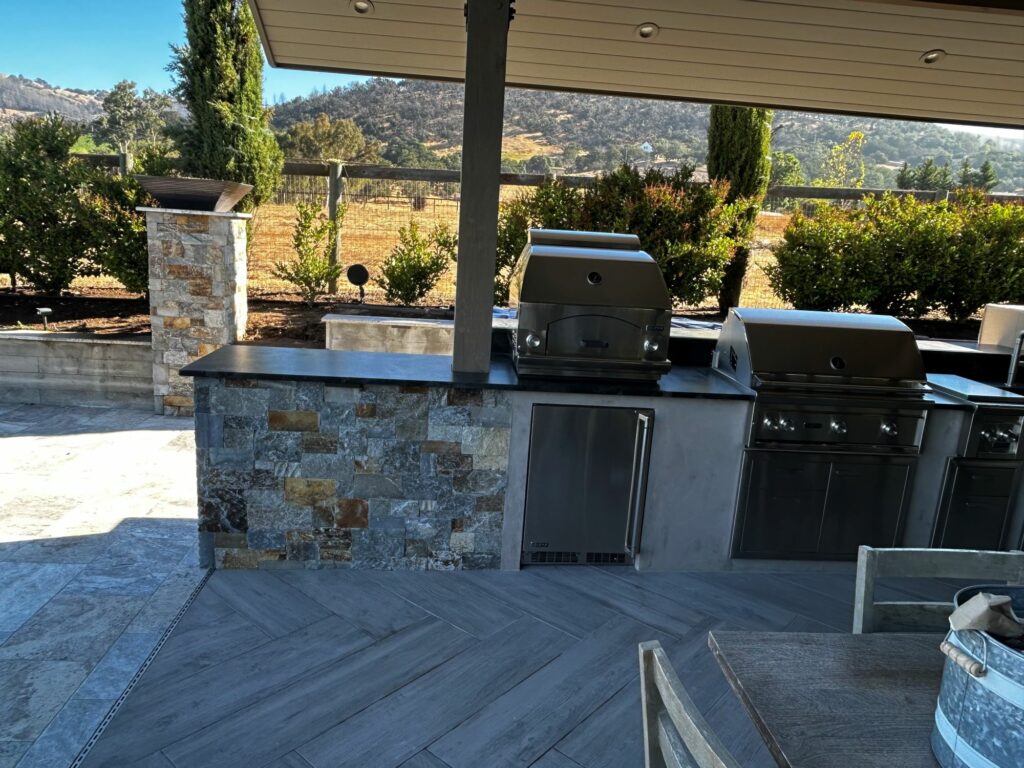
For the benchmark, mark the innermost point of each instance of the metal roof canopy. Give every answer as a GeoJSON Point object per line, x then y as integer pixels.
{"type": "Point", "coordinates": [866, 57]}
{"type": "Point", "coordinates": [845, 56]}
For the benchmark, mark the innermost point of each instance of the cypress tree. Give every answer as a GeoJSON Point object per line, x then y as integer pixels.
{"type": "Point", "coordinates": [219, 78]}
{"type": "Point", "coordinates": [739, 151]}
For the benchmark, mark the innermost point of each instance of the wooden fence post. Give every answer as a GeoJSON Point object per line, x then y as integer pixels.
{"type": "Point", "coordinates": [125, 163]}
{"type": "Point", "coordinates": [335, 198]}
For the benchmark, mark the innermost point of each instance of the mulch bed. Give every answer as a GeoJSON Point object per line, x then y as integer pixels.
{"type": "Point", "coordinates": [274, 319]}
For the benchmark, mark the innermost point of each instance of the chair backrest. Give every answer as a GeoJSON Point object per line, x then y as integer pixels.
{"type": "Point", "coordinates": [676, 735]}
{"type": "Point", "coordinates": [873, 564]}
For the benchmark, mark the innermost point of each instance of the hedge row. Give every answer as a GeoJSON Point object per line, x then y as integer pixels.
{"type": "Point", "coordinates": [61, 219]}
{"type": "Point", "coordinates": [901, 256]}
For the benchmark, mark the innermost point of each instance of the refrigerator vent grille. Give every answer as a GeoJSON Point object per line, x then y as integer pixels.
{"type": "Point", "coordinates": [554, 557]}
{"type": "Point", "coordinates": [606, 557]}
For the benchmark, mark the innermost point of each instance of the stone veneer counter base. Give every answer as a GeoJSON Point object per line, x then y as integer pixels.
{"type": "Point", "coordinates": [319, 458]}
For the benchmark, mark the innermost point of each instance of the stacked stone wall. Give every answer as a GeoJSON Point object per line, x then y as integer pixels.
{"type": "Point", "coordinates": [197, 288]}
{"type": "Point", "coordinates": [299, 474]}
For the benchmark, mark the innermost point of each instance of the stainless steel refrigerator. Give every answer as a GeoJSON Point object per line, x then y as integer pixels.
{"type": "Point", "coordinates": [586, 484]}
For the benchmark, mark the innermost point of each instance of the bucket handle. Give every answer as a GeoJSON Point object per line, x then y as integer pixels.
{"type": "Point", "coordinates": [963, 659]}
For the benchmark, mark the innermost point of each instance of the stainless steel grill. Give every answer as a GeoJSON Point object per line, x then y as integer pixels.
{"type": "Point", "coordinates": [836, 426]}
{"type": "Point", "coordinates": [591, 304]}
{"type": "Point", "coordinates": [980, 506]}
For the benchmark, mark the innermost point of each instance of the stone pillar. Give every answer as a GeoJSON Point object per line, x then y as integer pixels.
{"type": "Point", "coordinates": [197, 294]}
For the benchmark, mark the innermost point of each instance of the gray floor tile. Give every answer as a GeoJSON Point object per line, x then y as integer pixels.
{"type": "Point", "coordinates": [116, 669]}
{"type": "Point", "coordinates": [32, 692]}
{"type": "Point", "coordinates": [27, 587]}
{"type": "Point", "coordinates": [164, 604]}
{"type": "Point", "coordinates": [11, 752]}
{"type": "Point", "coordinates": [61, 549]}
{"type": "Point", "coordinates": [73, 628]}
{"type": "Point", "coordinates": [137, 579]}
{"type": "Point", "coordinates": [63, 738]}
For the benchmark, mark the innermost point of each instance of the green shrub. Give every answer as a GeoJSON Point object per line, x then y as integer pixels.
{"type": "Point", "coordinates": [809, 263]}
{"type": "Point", "coordinates": [115, 230]}
{"type": "Point", "coordinates": [904, 257]}
{"type": "Point", "coordinates": [684, 226]}
{"type": "Point", "coordinates": [44, 240]}
{"type": "Point", "coordinates": [893, 236]}
{"type": "Point", "coordinates": [314, 240]}
{"type": "Point", "coordinates": [414, 265]}
{"type": "Point", "coordinates": [979, 258]}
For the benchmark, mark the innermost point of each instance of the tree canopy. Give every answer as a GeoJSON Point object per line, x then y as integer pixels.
{"type": "Point", "coordinates": [324, 138]}
{"type": "Point", "coordinates": [219, 78]}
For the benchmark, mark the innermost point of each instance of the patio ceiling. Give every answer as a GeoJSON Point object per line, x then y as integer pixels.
{"type": "Point", "coordinates": [854, 56]}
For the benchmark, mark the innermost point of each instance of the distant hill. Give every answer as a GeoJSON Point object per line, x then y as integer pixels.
{"type": "Point", "coordinates": [578, 132]}
{"type": "Point", "coordinates": [593, 131]}
{"type": "Point", "coordinates": [21, 97]}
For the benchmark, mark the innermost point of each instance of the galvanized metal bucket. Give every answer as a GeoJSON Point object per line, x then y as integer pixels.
{"type": "Point", "coordinates": [979, 720]}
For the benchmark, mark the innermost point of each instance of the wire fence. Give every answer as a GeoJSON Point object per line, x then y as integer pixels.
{"type": "Point", "coordinates": [376, 208]}
{"type": "Point", "coordinates": [379, 200]}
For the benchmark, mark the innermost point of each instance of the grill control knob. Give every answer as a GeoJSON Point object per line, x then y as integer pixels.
{"type": "Point", "coordinates": [889, 429]}
{"type": "Point", "coordinates": [769, 423]}
{"type": "Point", "coordinates": [651, 346]}
{"type": "Point", "coordinates": [532, 340]}
{"type": "Point", "coordinates": [838, 427]}
{"type": "Point", "coordinates": [786, 425]}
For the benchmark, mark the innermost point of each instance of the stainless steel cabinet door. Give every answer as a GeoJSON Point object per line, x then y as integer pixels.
{"type": "Point", "coordinates": [865, 504]}
{"type": "Point", "coordinates": [782, 504]}
{"type": "Point", "coordinates": [581, 482]}
{"type": "Point", "coordinates": [976, 505]}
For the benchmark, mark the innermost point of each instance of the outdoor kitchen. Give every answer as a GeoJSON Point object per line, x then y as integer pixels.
{"type": "Point", "coordinates": [802, 436]}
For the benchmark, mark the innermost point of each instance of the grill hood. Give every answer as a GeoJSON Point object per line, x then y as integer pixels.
{"type": "Point", "coordinates": [595, 269]}
{"type": "Point", "coordinates": [591, 304]}
{"type": "Point", "coordinates": [764, 345]}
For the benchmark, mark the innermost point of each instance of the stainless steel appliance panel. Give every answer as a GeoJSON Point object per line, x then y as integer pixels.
{"type": "Point", "coordinates": [977, 503]}
{"type": "Point", "coordinates": [820, 505]}
{"type": "Point", "coordinates": [590, 304]}
{"type": "Point", "coordinates": [586, 483]}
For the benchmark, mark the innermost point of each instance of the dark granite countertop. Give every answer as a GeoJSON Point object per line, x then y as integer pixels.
{"type": "Point", "coordinates": [240, 361]}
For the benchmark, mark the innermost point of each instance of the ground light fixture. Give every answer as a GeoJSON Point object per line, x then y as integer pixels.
{"type": "Point", "coordinates": [933, 56]}
{"type": "Point", "coordinates": [647, 31]}
{"type": "Point", "coordinates": [45, 312]}
{"type": "Point", "coordinates": [363, 7]}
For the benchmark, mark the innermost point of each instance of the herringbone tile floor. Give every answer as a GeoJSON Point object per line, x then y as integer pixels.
{"type": "Point", "coordinates": [327, 669]}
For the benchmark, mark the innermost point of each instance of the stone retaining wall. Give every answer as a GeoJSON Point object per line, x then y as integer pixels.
{"type": "Point", "coordinates": [70, 369]}
{"type": "Point", "coordinates": [305, 475]}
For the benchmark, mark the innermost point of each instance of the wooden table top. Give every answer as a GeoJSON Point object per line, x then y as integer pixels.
{"type": "Point", "coordinates": [837, 700]}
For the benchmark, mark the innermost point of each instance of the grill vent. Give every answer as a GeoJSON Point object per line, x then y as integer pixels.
{"type": "Point", "coordinates": [554, 557]}
{"type": "Point", "coordinates": [606, 557]}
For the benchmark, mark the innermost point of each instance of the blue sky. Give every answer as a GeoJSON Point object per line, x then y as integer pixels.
{"type": "Point", "coordinates": [93, 45]}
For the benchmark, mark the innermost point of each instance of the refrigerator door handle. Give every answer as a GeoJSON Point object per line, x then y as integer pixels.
{"type": "Point", "coordinates": [638, 484]}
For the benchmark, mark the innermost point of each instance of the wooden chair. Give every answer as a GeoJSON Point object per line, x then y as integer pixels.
{"type": "Point", "coordinates": [873, 564]}
{"type": "Point", "coordinates": [676, 735]}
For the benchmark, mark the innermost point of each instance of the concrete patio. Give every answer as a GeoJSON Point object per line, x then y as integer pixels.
{"type": "Point", "coordinates": [300, 668]}
{"type": "Point", "coordinates": [97, 558]}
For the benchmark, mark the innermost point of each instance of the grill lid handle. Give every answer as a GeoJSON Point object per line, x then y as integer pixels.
{"type": "Point", "coordinates": [573, 239]}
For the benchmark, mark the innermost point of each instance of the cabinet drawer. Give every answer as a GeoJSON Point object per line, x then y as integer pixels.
{"type": "Point", "coordinates": [976, 481]}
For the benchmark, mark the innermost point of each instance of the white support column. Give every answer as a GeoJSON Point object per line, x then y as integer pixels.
{"type": "Point", "coordinates": [486, 43]}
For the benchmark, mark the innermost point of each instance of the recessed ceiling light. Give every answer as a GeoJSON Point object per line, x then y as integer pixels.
{"type": "Point", "coordinates": [362, 6]}
{"type": "Point", "coordinates": [930, 57]}
{"type": "Point", "coordinates": [647, 31]}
